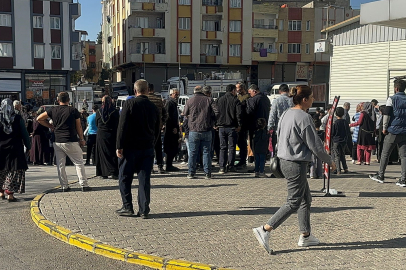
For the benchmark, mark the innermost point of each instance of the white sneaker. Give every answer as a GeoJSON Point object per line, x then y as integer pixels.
{"type": "Point", "coordinates": [263, 238]}
{"type": "Point", "coordinates": [308, 241]}
{"type": "Point", "coordinates": [353, 161]}
{"type": "Point", "coordinates": [183, 163]}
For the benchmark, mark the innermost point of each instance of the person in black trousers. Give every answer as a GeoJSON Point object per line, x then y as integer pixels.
{"type": "Point", "coordinates": [137, 133]}
{"type": "Point", "coordinates": [171, 140]}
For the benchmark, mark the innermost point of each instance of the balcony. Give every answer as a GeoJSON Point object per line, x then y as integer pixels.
{"type": "Point", "coordinates": [148, 58]}
{"type": "Point", "coordinates": [75, 10]}
{"type": "Point", "coordinates": [265, 8]}
{"type": "Point", "coordinates": [149, 5]}
{"type": "Point", "coordinates": [263, 30]}
{"type": "Point", "coordinates": [211, 35]}
{"type": "Point", "coordinates": [75, 37]}
{"type": "Point", "coordinates": [271, 55]}
{"type": "Point", "coordinates": [210, 59]}
{"type": "Point", "coordinates": [212, 2]}
{"type": "Point", "coordinates": [146, 32]}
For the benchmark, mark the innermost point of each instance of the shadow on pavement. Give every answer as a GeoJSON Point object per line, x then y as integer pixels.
{"type": "Point", "coordinates": [382, 194]}
{"type": "Point", "coordinates": [391, 243]}
{"type": "Point", "coordinates": [251, 211]}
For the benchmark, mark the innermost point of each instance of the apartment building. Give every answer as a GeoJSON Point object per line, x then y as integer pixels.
{"type": "Point", "coordinates": [264, 41]}
{"type": "Point", "coordinates": [93, 59]}
{"type": "Point", "coordinates": [38, 48]}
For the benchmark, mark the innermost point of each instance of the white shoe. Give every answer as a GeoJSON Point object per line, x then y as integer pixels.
{"type": "Point", "coordinates": [263, 238]}
{"type": "Point", "coordinates": [308, 241]}
{"type": "Point", "coordinates": [183, 163]}
{"type": "Point", "coordinates": [353, 161]}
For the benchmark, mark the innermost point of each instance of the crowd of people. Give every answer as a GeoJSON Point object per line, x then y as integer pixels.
{"type": "Point", "coordinates": [123, 143]}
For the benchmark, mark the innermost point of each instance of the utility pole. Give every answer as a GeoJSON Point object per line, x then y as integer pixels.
{"type": "Point", "coordinates": [180, 42]}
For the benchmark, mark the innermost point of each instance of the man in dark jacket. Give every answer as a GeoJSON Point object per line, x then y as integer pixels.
{"type": "Point", "coordinates": [202, 112]}
{"type": "Point", "coordinates": [171, 140]}
{"type": "Point", "coordinates": [229, 123]}
{"type": "Point", "coordinates": [242, 96]}
{"type": "Point", "coordinates": [162, 119]}
{"type": "Point", "coordinates": [137, 132]}
{"type": "Point", "coordinates": [258, 106]}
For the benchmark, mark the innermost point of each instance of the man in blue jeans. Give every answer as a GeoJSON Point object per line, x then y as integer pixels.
{"type": "Point", "coordinates": [138, 130]}
{"type": "Point", "coordinates": [394, 125]}
{"type": "Point", "coordinates": [201, 111]}
{"type": "Point", "coordinates": [229, 123]}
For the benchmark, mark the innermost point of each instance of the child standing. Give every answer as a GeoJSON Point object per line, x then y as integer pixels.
{"type": "Point", "coordinates": [316, 168]}
{"type": "Point", "coordinates": [339, 135]}
{"type": "Point", "coordinates": [261, 140]}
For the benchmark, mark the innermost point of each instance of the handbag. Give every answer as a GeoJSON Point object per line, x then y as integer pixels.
{"type": "Point", "coordinates": [275, 166]}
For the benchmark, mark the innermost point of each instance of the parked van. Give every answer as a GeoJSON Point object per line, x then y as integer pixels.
{"type": "Point", "coordinates": [274, 92]}
{"type": "Point", "coordinates": [182, 102]}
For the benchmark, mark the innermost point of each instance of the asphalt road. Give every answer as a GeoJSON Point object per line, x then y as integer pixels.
{"type": "Point", "coordinates": [24, 246]}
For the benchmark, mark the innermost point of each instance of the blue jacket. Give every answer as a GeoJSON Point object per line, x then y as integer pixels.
{"type": "Point", "coordinates": [91, 122]}
{"type": "Point", "coordinates": [397, 124]}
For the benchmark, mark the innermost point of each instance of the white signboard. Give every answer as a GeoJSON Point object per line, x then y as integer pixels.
{"type": "Point", "coordinates": [320, 47]}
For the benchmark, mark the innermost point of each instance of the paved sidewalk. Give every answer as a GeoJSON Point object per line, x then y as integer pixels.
{"type": "Point", "coordinates": [211, 221]}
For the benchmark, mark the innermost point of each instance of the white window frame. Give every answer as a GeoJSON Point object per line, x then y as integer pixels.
{"type": "Point", "coordinates": [294, 48]}
{"type": "Point", "coordinates": [235, 3]}
{"type": "Point", "coordinates": [185, 2]}
{"type": "Point", "coordinates": [37, 22]}
{"type": "Point", "coordinates": [6, 50]}
{"type": "Point", "coordinates": [307, 48]}
{"type": "Point", "coordinates": [5, 20]}
{"type": "Point", "coordinates": [211, 49]}
{"type": "Point", "coordinates": [210, 25]}
{"type": "Point", "coordinates": [184, 23]}
{"type": "Point", "coordinates": [281, 23]}
{"type": "Point", "coordinates": [142, 48]}
{"type": "Point", "coordinates": [142, 22]}
{"type": "Point", "coordinates": [235, 50]}
{"type": "Point", "coordinates": [55, 23]}
{"type": "Point", "coordinates": [295, 25]}
{"type": "Point", "coordinates": [307, 25]}
{"type": "Point", "coordinates": [56, 51]}
{"type": "Point", "coordinates": [184, 48]}
{"type": "Point", "coordinates": [39, 51]}
{"type": "Point", "coordinates": [235, 26]}
{"type": "Point", "coordinates": [280, 47]}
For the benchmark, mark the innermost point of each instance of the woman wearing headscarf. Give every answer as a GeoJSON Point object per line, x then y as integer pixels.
{"type": "Point", "coordinates": [366, 135]}
{"type": "Point", "coordinates": [107, 118]}
{"type": "Point", "coordinates": [39, 154]}
{"type": "Point", "coordinates": [13, 137]}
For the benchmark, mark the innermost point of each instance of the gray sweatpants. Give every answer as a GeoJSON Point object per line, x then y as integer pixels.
{"type": "Point", "coordinates": [75, 153]}
{"type": "Point", "coordinates": [299, 197]}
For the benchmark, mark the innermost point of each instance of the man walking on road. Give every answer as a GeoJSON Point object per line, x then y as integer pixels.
{"type": "Point", "coordinates": [67, 127]}
{"type": "Point", "coordinates": [243, 133]}
{"type": "Point", "coordinates": [394, 125]}
{"type": "Point", "coordinates": [201, 111]}
{"type": "Point", "coordinates": [171, 140]}
{"type": "Point", "coordinates": [229, 123]}
{"type": "Point", "coordinates": [138, 129]}
{"type": "Point", "coordinates": [279, 106]}
{"type": "Point", "coordinates": [162, 119]}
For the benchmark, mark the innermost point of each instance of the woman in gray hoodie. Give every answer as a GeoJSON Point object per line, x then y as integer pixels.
{"type": "Point", "coordinates": [297, 141]}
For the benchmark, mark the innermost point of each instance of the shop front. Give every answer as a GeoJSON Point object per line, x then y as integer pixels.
{"type": "Point", "coordinates": [42, 89]}
{"type": "Point", "coordinates": [10, 85]}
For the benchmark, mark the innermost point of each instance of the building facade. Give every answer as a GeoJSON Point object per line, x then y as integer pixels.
{"type": "Point", "coordinates": [93, 57]}
{"type": "Point", "coordinates": [264, 41]}
{"type": "Point", "coordinates": [38, 48]}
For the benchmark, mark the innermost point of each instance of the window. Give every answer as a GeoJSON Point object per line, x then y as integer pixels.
{"type": "Point", "coordinates": [211, 26]}
{"type": "Point", "coordinates": [184, 48]}
{"type": "Point", "coordinates": [55, 52]}
{"type": "Point", "coordinates": [184, 2]}
{"type": "Point", "coordinates": [271, 47]}
{"type": "Point", "coordinates": [159, 23]}
{"type": "Point", "coordinates": [55, 23]}
{"type": "Point", "coordinates": [281, 25]}
{"type": "Point", "coordinates": [281, 48]}
{"type": "Point", "coordinates": [142, 22]}
{"type": "Point", "coordinates": [258, 46]}
{"type": "Point", "coordinates": [235, 50]}
{"type": "Point", "coordinates": [212, 2]}
{"type": "Point", "coordinates": [159, 47]}
{"type": "Point", "coordinates": [330, 23]}
{"type": "Point", "coordinates": [6, 50]}
{"type": "Point", "coordinates": [293, 48]}
{"type": "Point", "coordinates": [39, 51]}
{"type": "Point", "coordinates": [307, 48]}
{"type": "Point", "coordinates": [5, 20]}
{"type": "Point", "coordinates": [142, 48]}
{"type": "Point", "coordinates": [295, 25]}
{"type": "Point", "coordinates": [235, 3]}
{"type": "Point", "coordinates": [211, 49]}
{"type": "Point", "coordinates": [308, 26]}
{"type": "Point", "coordinates": [235, 26]}
{"type": "Point", "coordinates": [37, 21]}
{"type": "Point", "coordinates": [184, 23]}
{"type": "Point", "coordinates": [258, 23]}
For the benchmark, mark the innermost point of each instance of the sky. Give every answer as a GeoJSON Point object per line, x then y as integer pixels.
{"type": "Point", "coordinates": [91, 16]}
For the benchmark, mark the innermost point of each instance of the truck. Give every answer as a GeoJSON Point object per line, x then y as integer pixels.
{"type": "Point", "coordinates": [217, 80]}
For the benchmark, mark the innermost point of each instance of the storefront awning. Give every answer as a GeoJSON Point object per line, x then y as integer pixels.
{"type": "Point", "coordinates": [389, 13]}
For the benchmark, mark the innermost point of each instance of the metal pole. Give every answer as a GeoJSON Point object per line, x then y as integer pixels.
{"type": "Point", "coordinates": [143, 60]}
{"type": "Point", "coordinates": [179, 65]}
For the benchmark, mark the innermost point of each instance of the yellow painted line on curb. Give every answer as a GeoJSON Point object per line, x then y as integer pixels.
{"type": "Point", "coordinates": [105, 250]}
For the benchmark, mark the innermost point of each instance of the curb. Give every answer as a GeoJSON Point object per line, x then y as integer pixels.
{"type": "Point", "coordinates": [99, 248]}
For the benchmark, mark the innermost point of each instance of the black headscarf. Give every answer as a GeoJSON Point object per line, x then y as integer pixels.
{"type": "Point", "coordinates": [107, 109]}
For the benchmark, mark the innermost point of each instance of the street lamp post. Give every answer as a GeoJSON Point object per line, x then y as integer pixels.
{"type": "Point", "coordinates": [143, 60]}
{"type": "Point", "coordinates": [179, 61]}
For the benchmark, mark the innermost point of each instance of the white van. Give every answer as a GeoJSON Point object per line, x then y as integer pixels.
{"type": "Point", "coordinates": [182, 102]}
{"type": "Point", "coordinates": [274, 92]}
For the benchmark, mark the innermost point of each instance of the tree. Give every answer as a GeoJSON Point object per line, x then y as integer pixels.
{"type": "Point", "coordinates": [104, 75]}
{"type": "Point", "coordinates": [99, 39]}
{"type": "Point", "coordinates": [89, 74]}
{"type": "Point", "coordinates": [75, 76]}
